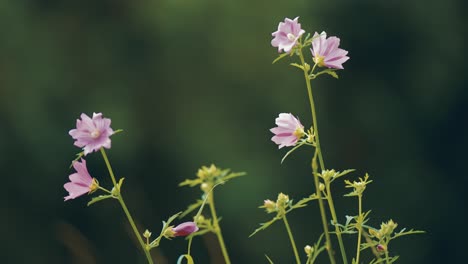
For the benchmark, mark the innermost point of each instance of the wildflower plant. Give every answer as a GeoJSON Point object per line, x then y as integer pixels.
{"type": "Point", "coordinates": [314, 56]}
{"type": "Point", "coordinates": [326, 59]}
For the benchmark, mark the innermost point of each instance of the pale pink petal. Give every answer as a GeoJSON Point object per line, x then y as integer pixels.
{"type": "Point", "coordinates": [92, 134]}
{"type": "Point", "coordinates": [326, 52]}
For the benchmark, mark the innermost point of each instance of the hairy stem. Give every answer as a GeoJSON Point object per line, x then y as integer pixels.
{"type": "Point", "coordinates": [125, 209]}
{"type": "Point", "coordinates": [217, 228]}
{"type": "Point", "coordinates": [291, 238]}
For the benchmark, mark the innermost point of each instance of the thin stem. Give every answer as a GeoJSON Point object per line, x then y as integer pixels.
{"type": "Point", "coordinates": [358, 250]}
{"type": "Point", "coordinates": [293, 244]}
{"type": "Point", "coordinates": [335, 222]}
{"type": "Point", "coordinates": [312, 109]}
{"type": "Point", "coordinates": [124, 207]}
{"type": "Point", "coordinates": [109, 167]}
{"type": "Point", "coordinates": [322, 210]}
{"type": "Point", "coordinates": [386, 257]}
{"type": "Point", "coordinates": [217, 228]}
{"type": "Point", "coordinates": [318, 153]}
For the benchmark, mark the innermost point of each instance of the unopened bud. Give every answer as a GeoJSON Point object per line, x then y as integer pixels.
{"type": "Point", "coordinates": [308, 250]}
{"type": "Point", "coordinates": [205, 187]}
{"type": "Point", "coordinates": [147, 233]}
{"type": "Point", "coordinates": [381, 248]}
{"type": "Point", "coordinates": [321, 187]}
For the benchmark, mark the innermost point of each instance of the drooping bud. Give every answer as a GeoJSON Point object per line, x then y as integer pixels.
{"type": "Point", "coordinates": [185, 229]}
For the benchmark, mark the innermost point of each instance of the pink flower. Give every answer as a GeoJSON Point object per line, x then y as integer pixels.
{"type": "Point", "coordinates": [185, 229]}
{"type": "Point", "coordinates": [288, 131]}
{"type": "Point", "coordinates": [326, 52]}
{"type": "Point", "coordinates": [80, 182]}
{"type": "Point", "coordinates": [287, 35]}
{"type": "Point", "coordinates": [92, 134]}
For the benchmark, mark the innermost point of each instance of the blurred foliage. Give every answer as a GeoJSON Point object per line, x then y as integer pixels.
{"type": "Point", "coordinates": [191, 83]}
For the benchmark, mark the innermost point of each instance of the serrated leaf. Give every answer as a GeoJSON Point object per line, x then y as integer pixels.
{"type": "Point", "coordinates": [234, 175]}
{"type": "Point", "coordinates": [297, 66]}
{"type": "Point", "coordinates": [264, 226]}
{"type": "Point", "coordinates": [191, 183]}
{"type": "Point", "coordinates": [99, 198]}
{"type": "Point", "coordinates": [280, 57]}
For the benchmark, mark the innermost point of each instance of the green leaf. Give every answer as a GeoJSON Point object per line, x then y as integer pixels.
{"type": "Point", "coordinates": [191, 183]}
{"type": "Point", "coordinates": [297, 66]}
{"type": "Point", "coordinates": [99, 198]}
{"type": "Point", "coordinates": [292, 150]}
{"type": "Point", "coordinates": [265, 225]}
{"type": "Point", "coordinates": [187, 257]}
{"type": "Point", "coordinates": [234, 175]}
{"type": "Point", "coordinates": [280, 57]}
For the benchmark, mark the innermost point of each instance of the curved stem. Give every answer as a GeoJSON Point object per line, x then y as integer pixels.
{"type": "Point", "coordinates": [124, 207]}
{"type": "Point", "coordinates": [312, 109]}
{"type": "Point", "coordinates": [217, 228]}
{"type": "Point", "coordinates": [293, 244]}
{"type": "Point", "coordinates": [335, 222]}
{"type": "Point", "coordinates": [358, 250]}
{"type": "Point", "coordinates": [322, 210]}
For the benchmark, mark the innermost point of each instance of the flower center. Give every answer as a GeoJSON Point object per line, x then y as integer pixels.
{"type": "Point", "coordinates": [291, 37]}
{"type": "Point", "coordinates": [299, 132]}
{"type": "Point", "coordinates": [95, 134]}
{"type": "Point", "coordinates": [320, 60]}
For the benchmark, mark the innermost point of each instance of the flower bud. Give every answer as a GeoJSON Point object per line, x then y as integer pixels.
{"type": "Point", "coordinates": [308, 250]}
{"type": "Point", "coordinates": [269, 205]}
{"type": "Point", "coordinates": [381, 248]}
{"type": "Point", "coordinates": [205, 187]}
{"type": "Point", "coordinates": [321, 187]}
{"type": "Point", "coordinates": [185, 229]}
{"type": "Point", "coordinates": [147, 234]}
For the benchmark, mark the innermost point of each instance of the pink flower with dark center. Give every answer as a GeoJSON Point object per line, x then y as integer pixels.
{"type": "Point", "coordinates": [80, 182]}
{"type": "Point", "coordinates": [326, 52]}
{"type": "Point", "coordinates": [185, 229]}
{"type": "Point", "coordinates": [288, 131]}
{"type": "Point", "coordinates": [92, 134]}
{"type": "Point", "coordinates": [287, 35]}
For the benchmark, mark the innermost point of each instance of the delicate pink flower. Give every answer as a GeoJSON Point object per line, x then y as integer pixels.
{"type": "Point", "coordinates": [287, 35]}
{"type": "Point", "coordinates": [185, 229]}
{"type": "Point", "coordinates": [288, 131]}
{"type": "Point", "coordinates": [326, 52]}
{"type": "Point", "coordinates": [92, 134]}
{"type": "Point", "coordinates": [80, 182]}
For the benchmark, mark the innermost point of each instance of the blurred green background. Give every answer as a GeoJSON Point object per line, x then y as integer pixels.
{"type": "Point", "coordinates": [191, 83]}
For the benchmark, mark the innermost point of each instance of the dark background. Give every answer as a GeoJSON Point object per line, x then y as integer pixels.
{"type": "Point", "coordinates": [191, 83]}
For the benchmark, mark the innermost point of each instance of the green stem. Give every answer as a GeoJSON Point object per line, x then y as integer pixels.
{"type": "Point", "coordinates": [335, 222]}
{"type": "Point", "coordinates": [293, 244]}
{"type": "Point", "coordinates": [312, 109]}
{"type": "Point", "coordinates": [124, 207]}
{"type": "Point", "coordinates": [322, 165]}
{"type": "Point", "coordinates": [322, 210]}
{"type": "Point", "coordinates": [386, 255]}
{"type": "Point", "coordinates": [217, 228]}
{"type": "Point", "coordinates": [358, 250]}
